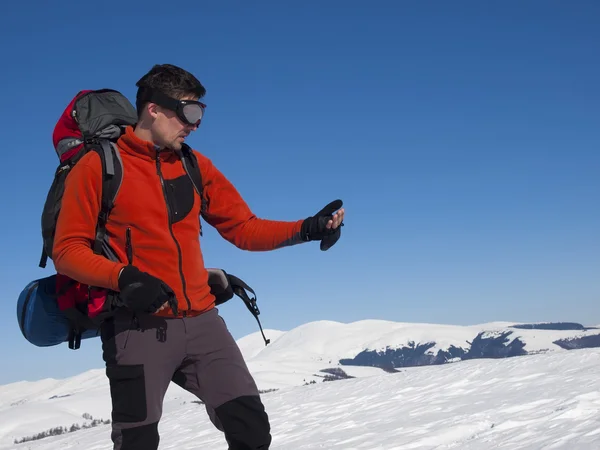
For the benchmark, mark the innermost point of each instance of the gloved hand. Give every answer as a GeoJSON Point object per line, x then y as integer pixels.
{"type": "Point", "coordinates": [324, 226]}
{"type": "Point", "coordinates": [141, 292]}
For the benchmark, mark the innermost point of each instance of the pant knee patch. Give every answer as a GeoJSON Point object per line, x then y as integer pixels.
{"type": "Point", "coordinates": [140, 438]}
{"type": "Point", "coordinates": [245, 423]}
{"type": "Point", "coordinates": [128, 393]}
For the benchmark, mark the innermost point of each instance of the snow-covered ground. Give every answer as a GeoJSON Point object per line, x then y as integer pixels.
{"type": "Point", "coordinates": [544, 401]}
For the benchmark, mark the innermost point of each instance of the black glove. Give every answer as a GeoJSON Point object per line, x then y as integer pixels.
{"type": "Point", "coordinates": [220, 285]}
{"type": "Point", "coordinates": [141, 292]}
{"type": "Point", "coordinates": [314, 228]}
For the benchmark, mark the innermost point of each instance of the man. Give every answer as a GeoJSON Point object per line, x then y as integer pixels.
{"type": "Point", "coordinates": [169, 329]}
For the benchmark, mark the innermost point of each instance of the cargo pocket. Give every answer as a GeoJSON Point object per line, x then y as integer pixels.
{"type": "Point", "coordinates": [128, 392]}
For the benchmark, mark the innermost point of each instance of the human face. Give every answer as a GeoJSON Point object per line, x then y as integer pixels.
{"type": "Point", "coordinates": [175, 119]}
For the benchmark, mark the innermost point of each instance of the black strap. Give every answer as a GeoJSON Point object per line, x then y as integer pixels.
{"type": "Point", "coordinates": [192, 168]}
{"type": "Point", "coordinates": [43, 258]}
{"type": "Point", "coordinates": [111, 179]}
{"type": "Point", "coordinates": [239, 288]}
{"type": "Point", "coordinates": [74, 339]}
{"type": "Point", "coordinates": [79, 322]}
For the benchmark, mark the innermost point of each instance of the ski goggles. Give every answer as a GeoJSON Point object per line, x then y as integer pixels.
{"type": "Point", "coordinates": [189, 112]}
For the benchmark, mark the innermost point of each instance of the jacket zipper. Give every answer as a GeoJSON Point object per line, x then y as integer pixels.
{"type": "Point", "coordinates": [129, 249]}
{"type": "Point", "coordinates": [169, 214]}
{"type": "Point", "coordinates": [129, 246]}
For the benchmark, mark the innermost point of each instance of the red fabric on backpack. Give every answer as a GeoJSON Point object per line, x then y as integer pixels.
{"type": "Point", "coordinates": [70, 293]}
{"type": "Point", "coordinates": [66, 129]}
{"type": "Point", "coordinates": [67, 291]}
{"type": "Point", "coordinates": [96, 301]}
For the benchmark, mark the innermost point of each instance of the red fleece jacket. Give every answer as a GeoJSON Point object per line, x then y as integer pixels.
{"type": "Point", "coordinates": [166, 247]}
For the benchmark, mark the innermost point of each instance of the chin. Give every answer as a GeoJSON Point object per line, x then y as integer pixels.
{"type": "Point", "coordinates": [176, 145]}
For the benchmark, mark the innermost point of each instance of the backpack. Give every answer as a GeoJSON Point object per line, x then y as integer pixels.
{"type": "Point", "coordinates": [55, 309]}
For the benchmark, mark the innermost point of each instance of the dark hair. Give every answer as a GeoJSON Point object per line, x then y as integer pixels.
{"type": "Point", "coordinates": [169, 79]}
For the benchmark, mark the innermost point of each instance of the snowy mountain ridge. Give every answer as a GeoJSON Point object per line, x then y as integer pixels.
{"type": "Point", "coordinates": [387, 344]}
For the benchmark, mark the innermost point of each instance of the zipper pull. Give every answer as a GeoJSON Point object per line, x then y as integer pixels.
{"type": "Point", "coordinates": [128, 246]}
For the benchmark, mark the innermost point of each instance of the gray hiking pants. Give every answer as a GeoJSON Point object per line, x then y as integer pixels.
{"type": "Point", "coordinates": [144, 353]}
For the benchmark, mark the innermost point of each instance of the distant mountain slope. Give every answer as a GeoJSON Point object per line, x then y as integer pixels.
{"type": "Point", "coordinates": [390, 345]}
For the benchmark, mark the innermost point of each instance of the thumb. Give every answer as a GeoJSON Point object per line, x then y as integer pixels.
{"type": "Point", "coordinates": [331, 208]}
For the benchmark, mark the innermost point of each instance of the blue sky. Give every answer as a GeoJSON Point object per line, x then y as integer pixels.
{"type": "Point", "coordinates": [462, 137]}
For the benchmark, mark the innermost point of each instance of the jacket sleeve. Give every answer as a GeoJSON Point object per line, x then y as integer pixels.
{"type": "Point", "coordinates": [232, 218]}
{"type": "Point", "coordinates": [72, 252]}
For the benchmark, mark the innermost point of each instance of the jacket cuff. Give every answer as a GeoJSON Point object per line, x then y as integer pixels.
{"type": "Point", "coordinates": [114, 276]}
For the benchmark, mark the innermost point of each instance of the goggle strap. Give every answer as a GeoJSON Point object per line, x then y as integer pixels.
{"type": "Point", "coordinates": [161, 99]}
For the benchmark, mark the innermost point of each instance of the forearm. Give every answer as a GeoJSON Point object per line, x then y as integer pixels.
{"type": "Point", "coordinates": [75, 259]}
{"type": "Point", "coordinates": [257, 234]}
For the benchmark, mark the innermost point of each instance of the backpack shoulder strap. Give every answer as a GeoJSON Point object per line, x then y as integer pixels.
{"type": "Point", "coordinates": [112, 176]}
{"type": "Point", "coordinates": [192, 168]}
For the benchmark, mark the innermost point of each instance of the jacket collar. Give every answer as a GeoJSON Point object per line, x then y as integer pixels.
{"type": "Point", "coordinates": [132, 144]}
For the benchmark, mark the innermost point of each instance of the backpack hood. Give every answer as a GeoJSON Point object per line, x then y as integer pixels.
{"type": "Point", "coordinates": [91, 114]}
{"type": "Point", "coordinates": [67, 137]}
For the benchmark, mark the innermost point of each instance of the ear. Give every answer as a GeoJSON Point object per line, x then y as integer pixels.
{"type": "Point", "coordinates": [152, 109]}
